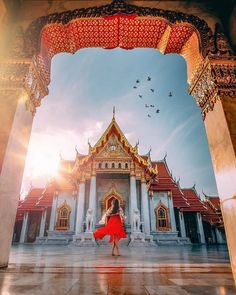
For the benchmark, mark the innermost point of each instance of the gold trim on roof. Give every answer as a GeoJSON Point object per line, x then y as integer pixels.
{"type": "Point", "coordinates": [132, 151]}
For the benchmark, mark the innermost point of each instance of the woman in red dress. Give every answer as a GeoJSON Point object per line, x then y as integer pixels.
{"type": "Point", "coordinates": [114, 226]}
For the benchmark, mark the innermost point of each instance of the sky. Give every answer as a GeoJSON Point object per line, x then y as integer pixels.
{"type": "Point", "coordinates": [83, 90]}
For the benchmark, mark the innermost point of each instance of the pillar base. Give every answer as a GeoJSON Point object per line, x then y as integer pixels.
{"type": "Point", "coordinates": [137, 239]}
{"type": "Point", "coordinates": [84, 240]}
{"type": "Point", "coordinates": [4, 265]}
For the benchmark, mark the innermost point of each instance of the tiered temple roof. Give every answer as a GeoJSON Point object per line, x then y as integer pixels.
{"type": "Point", "coordinates": [213, 214]}
{"type": "Point", "coordinates": [196, 205]}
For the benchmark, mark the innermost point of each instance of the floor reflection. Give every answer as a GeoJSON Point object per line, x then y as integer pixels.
{"type": "Point", "coordinates": [163, 270]}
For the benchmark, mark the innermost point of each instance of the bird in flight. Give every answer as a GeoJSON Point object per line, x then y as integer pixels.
{"type": "Point", "coordinates": [137, 81]}
{"type": "Point", "coordinates": [149, 78]}
{"type": "Point", "coordinates": [152, 105]}
{"type": "Point", "coordinates": [140, 95]}
{"type": "Point", "coordinates": [157, 111]}
{"type": "Point", "coordinates": [146, 106]}
{"type": "Point", "coordinates": [135, 87]}
{"type": "Point", "coordinates": [170, 94]}
{"type": "Point", "coordinates": [149, 116]}
{"type": "Point", "coordinates": [152, 90]}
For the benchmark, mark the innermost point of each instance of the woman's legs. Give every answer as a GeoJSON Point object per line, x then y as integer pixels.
{"type": "Point", "coordinates": [117, 245]}
{"type": "Point", "coordinates": [113, 247]}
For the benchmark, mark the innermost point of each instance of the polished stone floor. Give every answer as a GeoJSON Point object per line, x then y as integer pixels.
{"type": "Point", "coordinates": [164, 270]}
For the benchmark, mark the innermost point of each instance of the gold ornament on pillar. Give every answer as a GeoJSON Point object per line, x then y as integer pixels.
{"type": "Point", "coordinates": [93, 172]}
{"type": "Point", "coordinates": [216, 80]}
{"type": "Point", "coordinates": [132, 169]}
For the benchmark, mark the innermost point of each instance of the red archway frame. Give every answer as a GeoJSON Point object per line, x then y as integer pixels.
{"type": "Point", "coordinates": [115, 25]}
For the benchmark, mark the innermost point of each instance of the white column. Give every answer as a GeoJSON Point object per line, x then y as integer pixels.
{"type": "Point", "coordinates": [24, 228]}
{"type": "Point", "coordinates": [182, 225]}
{"type": "Point", "coordinates": [200, 228]}
{"type": "Point", "coordinates": [43, 223]}
{"type": "Point", "coordinates": [11, 175]}
{"type": "Point", "coordinates": [53, 214]}
{"type": "Point", "coordinates": [213, 235]}
{"type": "Point", "coordinates": [219, 238]}
{"type": "Point", "coordinates": [133, 198]}
{"type": "Point", "coordinates": [80, 208]}
{"type": "Point", "coordinates": [145, 208]}
{"type": "Point", "coordinates": [172, 213]}
{"type": "Point", "coordinates": [92, 196]}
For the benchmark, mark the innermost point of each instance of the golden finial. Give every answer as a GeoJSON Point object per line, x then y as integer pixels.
{"type": "Point", "coordinates": [114, 113]}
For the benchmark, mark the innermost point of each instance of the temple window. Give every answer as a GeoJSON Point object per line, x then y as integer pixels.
{"type": "Point", "coordinates": [63, 217]}
{"type": "Point", "coordinates": [100, 165]}
{"type": "Point", "coordinates": [113, 165]}
{"type": "Point", "coordinates": [126, 165]}
{"type": "Point", "coordinates": [162, 223]}
{"type": "Point", "coordinates": [106, 165]}
{"type": "Point", "coordinates": [119, 165]}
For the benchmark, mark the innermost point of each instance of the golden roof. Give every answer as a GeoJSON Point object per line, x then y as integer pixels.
{"type": "Point", "coordinates": [114, 129]}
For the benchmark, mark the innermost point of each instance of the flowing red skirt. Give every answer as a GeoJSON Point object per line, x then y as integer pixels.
{"type": "Point", "coordinates": [113, 227]}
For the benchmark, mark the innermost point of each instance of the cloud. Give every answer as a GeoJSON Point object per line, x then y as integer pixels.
{"type": "Point", "coordinates": [178, 132]}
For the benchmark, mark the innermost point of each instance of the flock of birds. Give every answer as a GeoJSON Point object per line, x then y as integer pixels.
{"type": "Point", "coordinates": [152, 90]}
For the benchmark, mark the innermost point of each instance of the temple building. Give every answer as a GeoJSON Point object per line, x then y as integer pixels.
{"type": "Point", "coordinates": [158, 210]}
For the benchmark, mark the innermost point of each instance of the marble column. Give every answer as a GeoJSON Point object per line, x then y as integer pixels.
{"type": "Point", "coordinates": [12, 173]}
{"type": "Point", "coordinates": [200, 228]}
{"type": "Point", "coordinates": [145, 207]}
{"type": "Point", "coordinates": [172, 212]}
{"type": "Point", "coordinates": [133, 197]}
{"type": "Point", "coordinates": [182, 225]}
{"type": "Point", "coordinates": [80, 208]}
{"type": "Point", "coordinates": [219, 238]}
{"type": "Point", "coordinates": [213, 235]}
{"type": "Point", "coordinates": [43, 223]}
{"type": "Point", "coordinates": [92, 195]}
{"type": "Point", "coordinates": [24, 228]}
{"type": "Point", "coordinates": [53, 214]}
{"type": "Point", "coordinates": [214, 89]}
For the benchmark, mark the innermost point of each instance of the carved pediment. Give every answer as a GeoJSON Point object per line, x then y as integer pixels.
{"type": "Point", "coordinates": [113, 149]}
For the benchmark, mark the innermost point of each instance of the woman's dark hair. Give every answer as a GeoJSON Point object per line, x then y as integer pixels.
{"type": "Point", "coordinates": [116, 206]}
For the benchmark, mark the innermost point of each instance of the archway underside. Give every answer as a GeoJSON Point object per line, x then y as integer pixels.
{"type": "Point", "coordinates": [115, 25]}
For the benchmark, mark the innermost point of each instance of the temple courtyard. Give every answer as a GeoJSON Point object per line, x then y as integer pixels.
{"type": "Point", "coordinates": [35, 269]}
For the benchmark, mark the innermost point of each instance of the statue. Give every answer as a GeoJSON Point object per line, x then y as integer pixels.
{"type": "Point", "coordinates": [89, 220]}
{"type": "Point", "coordinates": [136, 221]}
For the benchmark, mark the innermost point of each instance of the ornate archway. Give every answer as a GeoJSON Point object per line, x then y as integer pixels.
{"type": "Point", "coordinates": [109, 196]}
{"type": "Point", "coordinates": [63, 217]}
{"type": "Point", "coordinates": [211, 68]}
{"type": "Point", "coordinates": [162, 218]}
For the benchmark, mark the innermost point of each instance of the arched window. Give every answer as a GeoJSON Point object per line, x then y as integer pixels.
{"type": "Point", "coordinates": [100, 165]}
{"type": "Point", "coordinates": [106, 165]}
{"type": "Point", "coordinates": [113, 165]}
{"type": "Point", "coordinates": [63, 217]}
{"type": "Point", "coordinates": [126, 165]}
{"type": "Point", "coordinates": [162, 218]}
{"type": "Point", "coordinates": [119, 165]}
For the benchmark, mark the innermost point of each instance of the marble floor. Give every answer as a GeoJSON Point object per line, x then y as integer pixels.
{"type": "Point", "coordinates": [163, 270]}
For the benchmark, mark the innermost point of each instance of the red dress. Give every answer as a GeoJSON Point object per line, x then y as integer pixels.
{"type": "Point", "coordinates": [113, 227]}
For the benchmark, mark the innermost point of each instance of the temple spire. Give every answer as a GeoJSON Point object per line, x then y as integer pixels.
{"type": "Point", "coordinates": [114, 113]}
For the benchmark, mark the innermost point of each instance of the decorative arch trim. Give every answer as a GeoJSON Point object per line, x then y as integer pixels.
{"type": "Point", "coordinates": [110, 194]}
{"type": "Point", "coordinates": [63, 217]}
{"type": "Point", "coordinates": [162, 218]}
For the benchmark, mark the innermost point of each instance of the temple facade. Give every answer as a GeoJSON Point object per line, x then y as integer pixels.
{"type": "Point", "coordinates": [158, 211]}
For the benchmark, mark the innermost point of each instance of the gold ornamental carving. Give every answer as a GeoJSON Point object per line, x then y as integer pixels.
{"type": "Point", "coordinates": [113, 149]}
{"type": "Point", "coordinates": [215, 80]}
